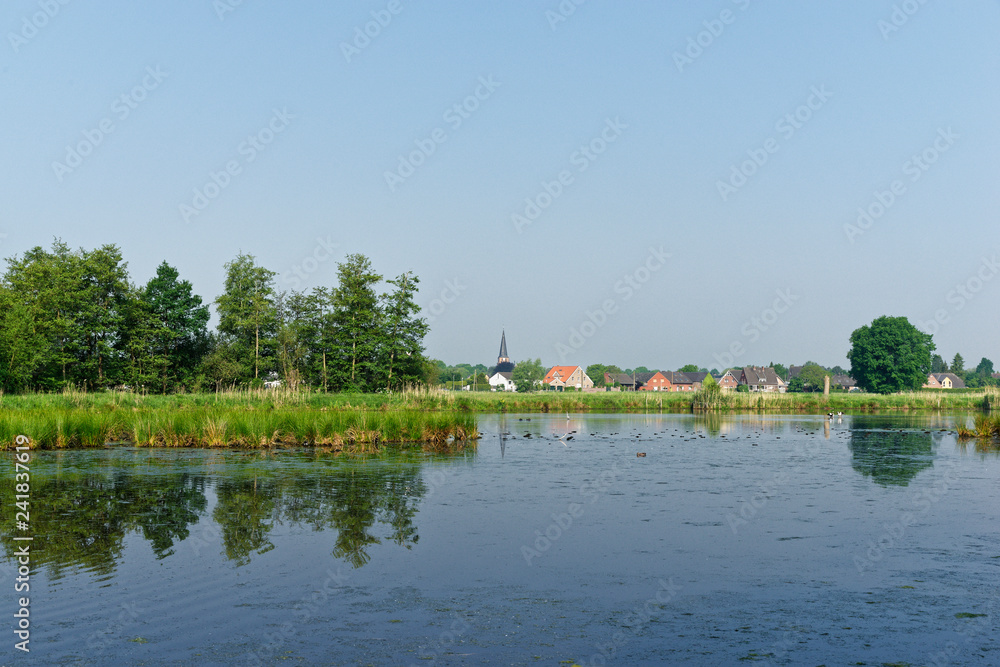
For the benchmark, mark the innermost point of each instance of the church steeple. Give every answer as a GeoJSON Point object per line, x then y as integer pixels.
{"type": "Point", "coordinates": [503, 358]}
{"type": "Point", "coordinates": [504, 364]}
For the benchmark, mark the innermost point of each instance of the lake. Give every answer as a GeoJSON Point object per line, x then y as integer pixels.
{"type": "Point", "coordinates": [784, 540]}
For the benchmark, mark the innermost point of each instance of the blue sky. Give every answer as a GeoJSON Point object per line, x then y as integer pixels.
{"type": "Point", "coordinates": [269, 128]}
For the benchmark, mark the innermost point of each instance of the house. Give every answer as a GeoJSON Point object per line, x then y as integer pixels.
{"type": "Point", "coordinates": [501, 381]}
{"type": "Point", "coordinates": [762, 378]}
{"type": "Point", "coordinates": [698, 379]}
{"type": "Point", "coordinates": [672, 381]}
{"type": "Point", "coordinates": [944, 381]}
{"type": "Point", "coordinates": [560, 377]}
{"type": "Point", "coordinates": [730, 379]}
{"type": "Point", "coordinates": [622, 380]}
{"type": "Point", "coordinates": [642, 381]}
{"type": "Point", "coordinates": [845, 382]}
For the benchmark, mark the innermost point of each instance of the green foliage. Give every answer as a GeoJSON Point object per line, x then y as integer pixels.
{"type": "Point", "coordinates": [527, 375]}
{"type": "Point", "coordinates": [247, 315]}
{"type": "Point", "coordinates": [938, 365]}
{"type": "Point", "coordinates": [958, 365]}
{"type": "Point", "coordinates": [688, 368]}
{"type": "Point", "coordinates": [811, 377]}
{"type": "Point", "coordinates": [890, 355]}
{"type": "Point", "coordinates": [985, 367]}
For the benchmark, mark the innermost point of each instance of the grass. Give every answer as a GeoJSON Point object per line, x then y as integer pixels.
{"type": "Point", "coordinates": [439, 420]}
{"type": "Point", "coordinates": [76, 420]}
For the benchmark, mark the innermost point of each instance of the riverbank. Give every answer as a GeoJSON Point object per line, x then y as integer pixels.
{"type": "Point", "coordinates": [436, 419]}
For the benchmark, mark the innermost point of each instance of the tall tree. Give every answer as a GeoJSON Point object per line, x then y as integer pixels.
{"type": "Point", "coordinates": [403, 331]}
{"type": "Point", "coordinates": [103, 306]}
{"type": "Point", "coordinates": [247, 311]}
{"type": "Point", "coordinates": [958, 364]}
{"type": "Point", "coordinates": [890, 355]}
{"type": "Point", "coordinates": [180, 326]}
{"type": "Point", "coordinates": [356, 322]}
{"type": "Point", "coordinates": [985, 367]}
{"type": "Point", "coordinates": [938, 365]}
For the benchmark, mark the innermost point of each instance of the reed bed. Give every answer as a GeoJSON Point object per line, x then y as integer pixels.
{"type": "Point", "coordinates": [358, 430]}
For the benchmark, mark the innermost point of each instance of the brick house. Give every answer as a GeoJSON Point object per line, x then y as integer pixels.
{"type": "Point", "coordinates": [944, 381]}
{"type": "Point", "coordinates": [560, 377]}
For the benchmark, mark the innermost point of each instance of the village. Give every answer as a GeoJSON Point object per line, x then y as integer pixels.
{"type": "Point", "coordinates": [746, 378]}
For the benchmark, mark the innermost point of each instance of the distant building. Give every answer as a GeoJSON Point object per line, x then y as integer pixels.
{"type": "Point", "coordinates": [560, 377]}
{"type": "Point", "coordinates": [504, 364]}
{"type": "Point", "coordinates": [944, 381]}
{"type": "Point", "coordinates": [762, 378]}
{"type": "Point", "coordinates": [730, 379]}
{"type": "Point", "coordinates": [502, 381]}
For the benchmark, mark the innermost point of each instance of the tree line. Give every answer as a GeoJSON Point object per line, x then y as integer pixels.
{"type": "Point", "coordinates": [75, 319]}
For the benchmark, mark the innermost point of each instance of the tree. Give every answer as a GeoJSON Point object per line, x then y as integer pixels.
{"type": "Point", "coordinates": [958, 365]}
{"type": "Point", "coordinates": [356, 325]}
{"type": "Point", "coordinates": [985, 367]}
{"type": "Point", "coordinates": [402, 345]}
{"type": "Point", "coordinates": [527, 374]}
{"type": "Point", "coordinates": [812, 376]}
{"type": "Point", "coordinates": [890, 355]}
{"type": "Point", "coordinates": [247, 312]}
{"type": "Point", "coordinates": [780, 370]}
{"type": "Point", "coordinates": [180, 335]}
{"type": "Point", "coordinates": [596, 373]}
{"type": "Point", "coordinates": [938, 365]}
{"type": "Point", "coordinates": [688, 368]}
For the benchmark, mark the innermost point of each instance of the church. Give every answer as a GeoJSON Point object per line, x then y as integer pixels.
{"type": "Point", "coordinates": [501, 378]}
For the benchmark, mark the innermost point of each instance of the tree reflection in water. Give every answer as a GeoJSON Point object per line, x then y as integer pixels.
{"type": "Point", "coordinates": [890, 455]}
{"type": "Point", "coordinates": [80, 519]}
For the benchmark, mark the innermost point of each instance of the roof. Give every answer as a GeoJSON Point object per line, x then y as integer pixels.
{"type": "Point", "coordinates": [620, 378]}
{"type": "Point", "coordinates": [956, 382]}
{"type": "Point", "coordinates": [563, 373]}
{"type": "Point", "coordinates": [643, 378]}
{"type": "Point", "coordinates": [676, 377]}
{"type": "Point", "coordinates": [504, 375]}
{"type": "Point", "coordinates": [757, 375]}
{"type": "Point", "coordinates": [793, 371]}
{"type": "Point", "coordinates": [843, 381]}
{"type": "Point", "coordinates": [698, 376]}
{"type": "Point", "coordinates": [503, 345]}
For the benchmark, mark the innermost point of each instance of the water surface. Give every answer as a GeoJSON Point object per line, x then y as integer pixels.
{"type": "Point", "coordinates": [771, 540]}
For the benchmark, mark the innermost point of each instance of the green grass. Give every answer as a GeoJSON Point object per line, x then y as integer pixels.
{"type": "Point", "coordinates": [364, 422]}
{"type": "Point", "coordinates": [75, 420]}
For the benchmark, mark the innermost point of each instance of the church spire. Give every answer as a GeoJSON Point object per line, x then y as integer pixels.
{"type": "Point", "coordinates": [503, 358]}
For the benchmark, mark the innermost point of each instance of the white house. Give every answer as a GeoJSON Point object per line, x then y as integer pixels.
{"type": "Point", "coordinates": [502, 382]}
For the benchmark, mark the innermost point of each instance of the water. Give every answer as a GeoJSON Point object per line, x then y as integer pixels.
{"type": "Point", "coordinates": [769, 540]}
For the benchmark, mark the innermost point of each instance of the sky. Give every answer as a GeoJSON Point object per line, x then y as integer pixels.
{"type": "Point", "coordinates": [721, 183]}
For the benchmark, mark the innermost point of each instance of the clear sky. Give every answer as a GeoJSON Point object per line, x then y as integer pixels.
{"type": "Point", "coordinates": [678, 169]}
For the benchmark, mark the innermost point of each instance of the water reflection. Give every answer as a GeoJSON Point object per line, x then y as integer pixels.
{"type": "Point", "coordinates": [890, 453]}
{"type": "Point", "coordinates": [81, 518]}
